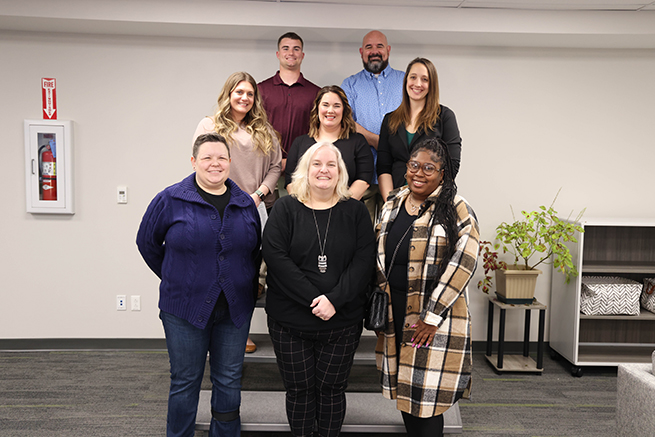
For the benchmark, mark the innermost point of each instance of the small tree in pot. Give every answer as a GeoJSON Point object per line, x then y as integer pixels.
{"type": "Point", "coordinates": [538, 233]}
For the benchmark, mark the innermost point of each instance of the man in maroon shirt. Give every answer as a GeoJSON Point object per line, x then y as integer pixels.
{"type": "Point", "coordinates": [287, 96]}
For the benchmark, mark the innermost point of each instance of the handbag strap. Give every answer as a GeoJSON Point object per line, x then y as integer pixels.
{"type": "Point", "coordinates": [395, 252]}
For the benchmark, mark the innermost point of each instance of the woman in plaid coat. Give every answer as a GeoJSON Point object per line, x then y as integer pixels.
{"type": "Point", "coordinates": [427, 252]}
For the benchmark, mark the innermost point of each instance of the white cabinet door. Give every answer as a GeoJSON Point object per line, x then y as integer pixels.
{"type": "Point", "coordinates": [48, 166]}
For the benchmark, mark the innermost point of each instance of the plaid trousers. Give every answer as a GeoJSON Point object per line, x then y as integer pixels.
{"type": "Point", "coordinates": [314, 366]}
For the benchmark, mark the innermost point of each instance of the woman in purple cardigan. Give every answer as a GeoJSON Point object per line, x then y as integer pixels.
{"type": "Point", "coordinates": [201, 237]}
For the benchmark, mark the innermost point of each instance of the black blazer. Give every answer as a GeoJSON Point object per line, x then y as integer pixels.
{"type": "Point", "coordinates": [394, 152]}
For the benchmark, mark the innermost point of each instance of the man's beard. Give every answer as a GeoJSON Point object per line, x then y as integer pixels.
{"type": "Point", "coordinates": [375, 66]}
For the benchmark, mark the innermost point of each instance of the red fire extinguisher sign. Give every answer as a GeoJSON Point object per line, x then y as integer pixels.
{"type": "Point", "coordinates": [49, 97]}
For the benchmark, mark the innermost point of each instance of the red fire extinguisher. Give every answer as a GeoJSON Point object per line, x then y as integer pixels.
{"type": "Point", "coordinates": [48, 169]}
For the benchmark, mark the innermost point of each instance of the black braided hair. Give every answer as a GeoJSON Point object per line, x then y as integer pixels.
{"type": "Point", "coordinates": [445, 213]}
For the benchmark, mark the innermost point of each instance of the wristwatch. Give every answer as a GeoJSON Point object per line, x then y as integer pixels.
{"type": "Point", "coordinates": [260, 194]}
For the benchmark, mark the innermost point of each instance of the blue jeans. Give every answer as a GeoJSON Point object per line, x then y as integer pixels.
{"type": "Point", "coordinates": [187, 352]}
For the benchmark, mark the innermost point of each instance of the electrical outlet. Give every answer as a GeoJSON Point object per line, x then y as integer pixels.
{"type": "Point", "coordinates": [136, 303]}
{"type": "Point", "coordinates": [121, 305]}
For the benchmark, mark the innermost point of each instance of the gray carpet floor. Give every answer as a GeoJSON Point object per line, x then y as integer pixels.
{"type": "Point", "coordinates": [123, 393]}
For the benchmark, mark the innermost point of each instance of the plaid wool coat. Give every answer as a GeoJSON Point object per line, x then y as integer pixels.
{"type": "Point", "coordinates": [428, 381]}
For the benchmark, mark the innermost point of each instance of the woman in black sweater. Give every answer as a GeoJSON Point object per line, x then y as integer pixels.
{"type": "Point", "coordinates": [331, 121]}
{"type": "Point", "coordinates": [319, 246]}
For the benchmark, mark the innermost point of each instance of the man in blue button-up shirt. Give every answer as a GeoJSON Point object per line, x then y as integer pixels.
{"type": "Point", "coordinates": [372, 93]}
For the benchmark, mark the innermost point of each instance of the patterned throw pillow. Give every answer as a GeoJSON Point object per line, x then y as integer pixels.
{"type": "Point", "coordinates": [609, 295]}
{"type": "Point", "coordinates": [648, 294]}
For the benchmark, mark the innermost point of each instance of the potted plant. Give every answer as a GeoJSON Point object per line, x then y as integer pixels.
{"type": "Point", "coordinates": [532, 240]}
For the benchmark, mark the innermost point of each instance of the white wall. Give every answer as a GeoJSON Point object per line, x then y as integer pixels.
{"type": "Point", "coordinates": [532, 120]}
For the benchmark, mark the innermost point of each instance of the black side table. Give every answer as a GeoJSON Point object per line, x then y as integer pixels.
{"type": "Point", "coordinates": [516, 363]}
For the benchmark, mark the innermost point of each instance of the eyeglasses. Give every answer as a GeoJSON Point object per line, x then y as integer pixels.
{"type": "Point", "coordinates": [428, 169]}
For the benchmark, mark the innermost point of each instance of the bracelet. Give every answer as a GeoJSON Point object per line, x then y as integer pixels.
{"type": "Point", "coordinates": [260, 194]}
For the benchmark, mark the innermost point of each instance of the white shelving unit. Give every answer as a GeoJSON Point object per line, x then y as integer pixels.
{"type": "Point", "coordinates": [608, 247]}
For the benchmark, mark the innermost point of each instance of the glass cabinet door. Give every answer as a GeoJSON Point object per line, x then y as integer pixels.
{"type": "Point", "coordinates": [49, 184]}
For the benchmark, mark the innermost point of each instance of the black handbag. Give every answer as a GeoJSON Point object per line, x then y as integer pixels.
{"type": "Point", "coordinates": [378, 300]}
{"type": "Point", "coordinates": [376, 310]}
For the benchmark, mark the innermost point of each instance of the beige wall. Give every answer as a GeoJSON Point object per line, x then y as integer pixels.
{"type": "Point", "coordinates": [532, 120]}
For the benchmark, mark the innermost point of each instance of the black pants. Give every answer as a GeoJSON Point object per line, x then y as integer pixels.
{"type": "Point", "coordinates": [315, 367]}
{"type": "Point", "coordinates": [398, 304]}
{"type": "Point", "coordinates": [419, 427]}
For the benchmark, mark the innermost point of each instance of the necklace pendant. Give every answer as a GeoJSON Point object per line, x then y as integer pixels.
{"type": "Point", "coordinates": [322, 263]}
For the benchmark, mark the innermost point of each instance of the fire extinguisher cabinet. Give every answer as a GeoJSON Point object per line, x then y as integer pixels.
{"type": "Point", "coordinates": [49, 166]}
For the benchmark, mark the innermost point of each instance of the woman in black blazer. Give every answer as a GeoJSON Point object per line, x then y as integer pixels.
{"type": "Point", "coordinates": [418, 117]}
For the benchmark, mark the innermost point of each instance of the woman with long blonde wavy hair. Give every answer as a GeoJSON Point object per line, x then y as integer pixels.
{"type": "Point", "coordinates": [256, 152]}
{"type": "Point", "coordinates": [255, 149]}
